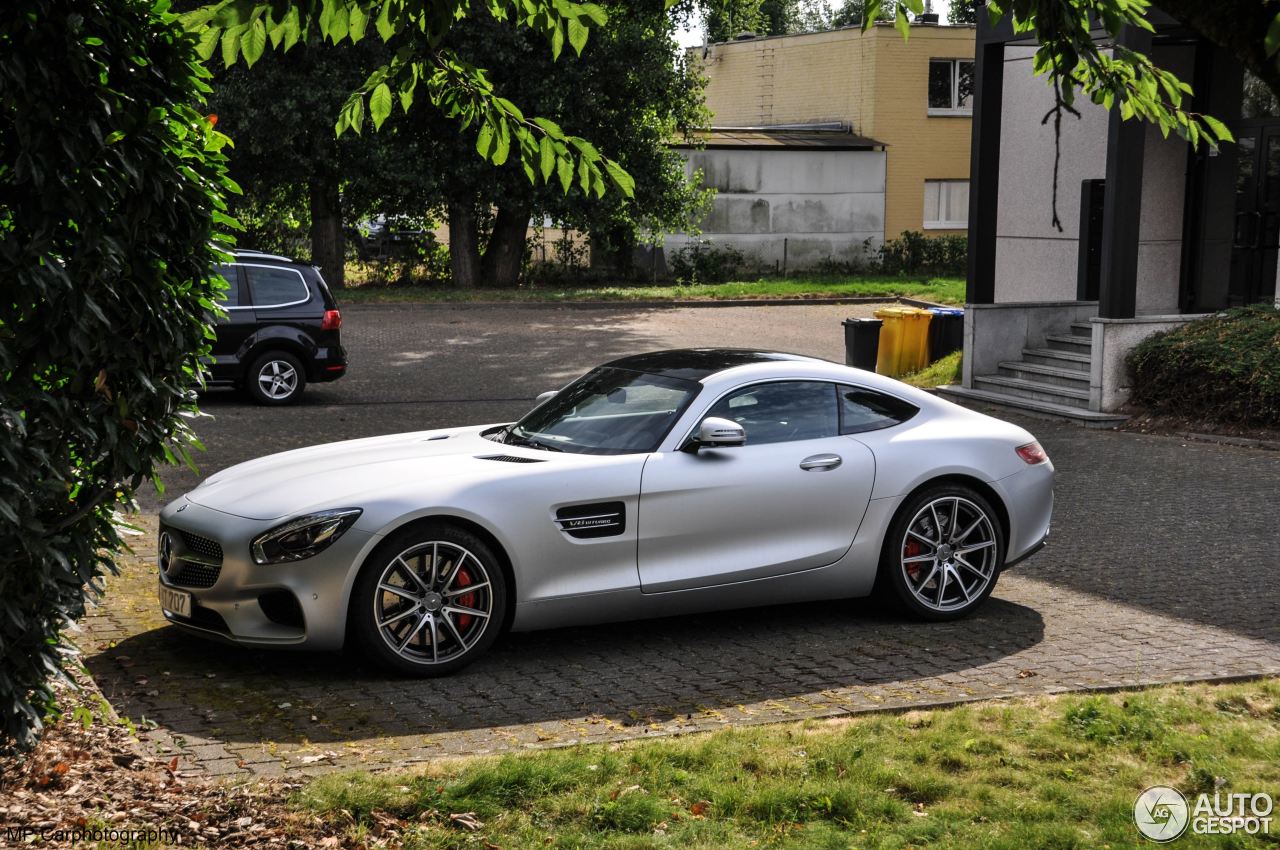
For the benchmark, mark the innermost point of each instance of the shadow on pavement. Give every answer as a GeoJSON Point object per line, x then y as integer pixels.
{"type": "Point", "coordinates": [630, 674]}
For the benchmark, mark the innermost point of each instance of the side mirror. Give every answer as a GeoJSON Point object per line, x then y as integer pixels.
{"type": "Point", "coordinates": [544, 396]}
{"type": "Point", "coordinates": [717, 433]}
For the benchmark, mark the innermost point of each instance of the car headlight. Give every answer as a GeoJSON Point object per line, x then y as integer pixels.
{"type": "Point", "coordinates": [302, 537]}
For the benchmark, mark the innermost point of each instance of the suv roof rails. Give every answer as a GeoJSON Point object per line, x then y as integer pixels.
{"type": "Point", "coordinates": [249, 252]}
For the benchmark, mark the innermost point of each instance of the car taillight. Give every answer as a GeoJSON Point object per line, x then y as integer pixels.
{"type": "Point", "coordinates": [1032, 453]}
{"type": "Point", "coordinates": [332, 320]}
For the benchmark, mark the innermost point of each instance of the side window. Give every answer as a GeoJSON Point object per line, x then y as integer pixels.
{"type": "Point", "coordinates": [782, 411]}
{"type": "Point", "coordinates": [273, 286]}
{"type": "Point", "coordinates": [230, 297]}
{"type": "Point", "coordinates": [864, 410]}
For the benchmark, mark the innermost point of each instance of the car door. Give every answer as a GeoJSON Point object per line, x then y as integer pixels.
{"type": "Point", "coordinates": [791, 499]}
{"type": "Point", "coordinates": [232, 330]}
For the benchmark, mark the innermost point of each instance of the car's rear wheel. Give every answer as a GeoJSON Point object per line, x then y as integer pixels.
{"type": "Point", "coordinates": [429, 600]}
{"type": "Point", "coordinates": [276, 377]}
{"type": "Point", "coordinates": [944, 552]}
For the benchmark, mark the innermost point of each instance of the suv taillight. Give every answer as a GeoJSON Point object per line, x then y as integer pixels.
{"type": "Point", "coordinates": [332, 320]}
{"type": "Point", "coordinates": [1032, 453]}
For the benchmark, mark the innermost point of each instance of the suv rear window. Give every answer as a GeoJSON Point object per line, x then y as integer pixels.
{"type": "Point", "coordinates": [275, 286]}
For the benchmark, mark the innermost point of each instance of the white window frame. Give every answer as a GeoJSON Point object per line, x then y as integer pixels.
{"type": "Point", "coordinates": [949, 111]}
{"type": "Point", "coordinates": [944, 184]}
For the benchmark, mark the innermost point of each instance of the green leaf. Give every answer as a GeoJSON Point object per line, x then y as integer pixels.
{"type": "Point", "coordinates": [339, 23]}
{"type": "Point", "coordinates": [557, 40]}
{"type": "Point", "coordinates": [113, 137]}
{"type": "Point", "coordinates": [231, 45]}
{"type": "Point", "coordinates": [902, 24]}
{"type": "Point", "coordinates": [550, 127]}
{"type": "Point", "coordinates": [584, 175]}
{"type": "Point", "coordinates": [380, 104]}
{"type": "Point", "coordinates": [547, 157]}
{"type": "Point", "coordinates": [208, 42]}
{"type": "Point", "coordinates": [618, 174]}
{"type": "Point", "coordinates": [406, 94]}
{"type": "Point", "coordinates": [93, 41]}
{"type": "Point", "coordinates": [564, 168]}
{"type": "Point", "coordinates": [1219, 130]}
{"type": "Point", "coordinates": [253, 42]}
{"type": "Point", "coordinates": [385, 28]}
{"type": "Point", "coordinates": [357, 23]}
{"type": "Point", "coordinates": [1271, 43]}
{"type": "Point", "coordinates": [484, 141]}
{"type": "Point", "coordinates": [577, 35]}
{"type": "Point", "coordinates": [292, 27]}
{"type": "Point", "coordinates": [503, 148]}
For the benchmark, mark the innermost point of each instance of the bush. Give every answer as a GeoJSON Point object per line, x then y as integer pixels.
{"type": "Point", "coordinates": [1225, 368]}
{"type": "Point", "coordinates": [109, 204]}
{"type": "Point", "coordinates": [915, 253]}
{"type": "Point", "coordinates": [707, 262]}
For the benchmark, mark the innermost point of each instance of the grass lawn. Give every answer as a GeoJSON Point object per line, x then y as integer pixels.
{"type": "Point", "coordinates": [939, 373]}
{"type": "Point", "coordinates": [948, 290]}
{"type": "Point", "coordinates": [1051, 772]}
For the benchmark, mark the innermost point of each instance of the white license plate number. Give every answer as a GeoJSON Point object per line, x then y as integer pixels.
{"type": "Point", "coordinates": [175, 601]}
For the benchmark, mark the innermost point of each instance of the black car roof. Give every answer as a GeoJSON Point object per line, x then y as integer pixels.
{"type": "Point", "coordinates": [694, 364]}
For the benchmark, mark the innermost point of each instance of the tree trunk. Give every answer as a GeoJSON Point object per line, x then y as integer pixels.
{"type": "Point", "coordinates": [464, 244]}
{"type": "Point", "coordinates": [504, 255]}
{"type": "Point", "coordinates": [328, 244]}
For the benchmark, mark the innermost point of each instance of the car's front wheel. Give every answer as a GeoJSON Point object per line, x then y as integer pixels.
{"type": "Point", "coordinates": [276, 377]}
{"type": "Point", "coordinates": [429, 600]}
{"type": "Point", "coordinates": [944, 552]}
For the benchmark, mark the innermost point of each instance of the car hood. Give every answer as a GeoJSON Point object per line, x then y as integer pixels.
{"type": "Point", "coordinates": [338, 474]}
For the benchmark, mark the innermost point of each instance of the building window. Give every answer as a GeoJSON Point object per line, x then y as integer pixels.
{"type": "Point", "coordinates": [950, 87]}
{"type": "Point", "coordinates": [946, 204]}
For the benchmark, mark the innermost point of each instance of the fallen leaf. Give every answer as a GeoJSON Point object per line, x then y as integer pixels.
{"type": "Point", "coordinates": [466, 820]}
{"type": "Point", "coordinates": [699, 808]}
{"type": "Point", "coordinates": [1027, 674]}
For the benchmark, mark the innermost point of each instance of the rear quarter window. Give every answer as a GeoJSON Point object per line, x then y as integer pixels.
{"type": "Point", "coordinates": [863, 410]}
{"type": "Point", "coordinates": [276, 286]}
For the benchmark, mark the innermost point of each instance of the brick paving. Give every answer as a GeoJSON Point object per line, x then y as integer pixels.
{"type": "Point", "coordinates": [1161, 568]}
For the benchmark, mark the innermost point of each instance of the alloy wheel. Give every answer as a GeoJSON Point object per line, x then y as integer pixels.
{"type": "Point", "coordinates": [278, 379]}
{"type": "Point", "coordinates": [433, 602]}
{"type": "Point", "coordinates": [948, 554]}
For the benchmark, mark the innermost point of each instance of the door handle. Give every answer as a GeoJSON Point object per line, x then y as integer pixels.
{"type": "Point", "coordinates": [821, 462]}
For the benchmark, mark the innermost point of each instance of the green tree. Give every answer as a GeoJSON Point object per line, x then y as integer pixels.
{"type": "Point", "coordinates": [963, 12]}
{"type": "Point", "coordinates": [631, 92]}
{"type": "Point", "coordinates": [289, 161]}
{"type": "Point", "coordinates": [854, 12]}
{"type": "Point", "coordinates": [110, 220]}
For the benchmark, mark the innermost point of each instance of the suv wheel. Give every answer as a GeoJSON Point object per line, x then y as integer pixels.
{"type": "Point", "coordinates": [276, 378]}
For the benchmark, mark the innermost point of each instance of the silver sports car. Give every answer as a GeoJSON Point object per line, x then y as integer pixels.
{"type": "Point", "coordinates": [654, 485]}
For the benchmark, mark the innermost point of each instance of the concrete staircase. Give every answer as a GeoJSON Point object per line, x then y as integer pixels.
{"type": "Point", "coordinates": [1052, 380]}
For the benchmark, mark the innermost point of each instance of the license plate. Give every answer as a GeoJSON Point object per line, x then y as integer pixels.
{"type": "Point", "coordinates": [175, 601]}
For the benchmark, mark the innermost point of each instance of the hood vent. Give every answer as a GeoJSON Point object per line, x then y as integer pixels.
{"type": "Point", "coordinates": [586, 522]}
{"type": "Point", "coordinates": [510, 458]}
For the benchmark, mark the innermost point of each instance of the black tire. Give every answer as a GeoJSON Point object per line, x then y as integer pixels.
{"type": "Point", "coordinates": [276, 378]}
{"type": "Point", "coordinates": [911, 584]}
{"type": "Point", "coordinates": [434, 649]}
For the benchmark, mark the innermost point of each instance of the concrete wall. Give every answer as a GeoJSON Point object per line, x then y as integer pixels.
{"type": "Point", "coordinates": [1036, 262]}
{"type": "Point", "coordinates": [824, 204]}
{"type": "Point", "coordinates": [875, 82]}
{"type": "Point", "coordinates": [1110, 382]}
{"type": "Point", "coordinates": [997, 332]}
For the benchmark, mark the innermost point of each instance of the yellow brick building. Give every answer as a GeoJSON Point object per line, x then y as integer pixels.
{"type": "Point", "coordinates": [913, 96]}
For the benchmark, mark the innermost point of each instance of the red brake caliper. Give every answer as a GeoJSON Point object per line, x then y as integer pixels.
{"type": "Point", "coordinates": [466, 600]}
{"type": "Point", "coordinates": [910, 551]}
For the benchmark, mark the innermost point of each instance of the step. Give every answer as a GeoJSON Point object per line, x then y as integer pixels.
{"type": "Point", "coordinates": [1087, 418]}
{"type": "Point", "coordinates": [1044, 374]}
{"type": "Point", "coordinates": [1058, 359]}
{"type": "Point", "coordinates": [1082, 329]}
{"type": "Point", "coordinates": [1035, 390]}
{"type": "Point", "coordinates": [1069, 342]}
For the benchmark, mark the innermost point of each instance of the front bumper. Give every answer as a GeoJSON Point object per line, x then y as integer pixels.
{"type": "Point", "coordinates": [303, 603]}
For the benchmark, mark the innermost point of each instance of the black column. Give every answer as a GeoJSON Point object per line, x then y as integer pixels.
{"type": "Point", "coordinates": [984, 167]}
{"type": "Point", "coordinates": [1122, 208]}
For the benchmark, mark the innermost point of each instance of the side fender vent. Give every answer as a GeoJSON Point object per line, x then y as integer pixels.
{"type": "Point", "coordinates": [585, 522]}
{"type": "Point", "coordinates": [510, 459]}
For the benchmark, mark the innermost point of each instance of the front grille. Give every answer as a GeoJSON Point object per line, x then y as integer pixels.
{"type": "Point", "coordinates": [511, 459]}
{"type": "Point", "coordinates": [191, 574]}
{"type": "Point", "coordinates": [202, 546]}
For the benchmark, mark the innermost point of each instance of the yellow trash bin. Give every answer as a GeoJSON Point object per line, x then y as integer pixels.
{"type": "Point", "coordinates": [904, 340]}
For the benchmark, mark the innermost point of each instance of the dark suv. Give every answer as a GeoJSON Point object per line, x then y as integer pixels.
{"type": "Point", "coordinates": [280, 332]}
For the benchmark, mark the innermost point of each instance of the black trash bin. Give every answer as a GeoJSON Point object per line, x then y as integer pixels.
{"type": "Point", "coordinates": [946, 331]}
{"type": "Point", "coordinates": [861, 343]}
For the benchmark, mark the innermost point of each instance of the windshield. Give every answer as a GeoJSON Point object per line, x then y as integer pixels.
{"type": "Point", "coordinates": [606, 411]}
